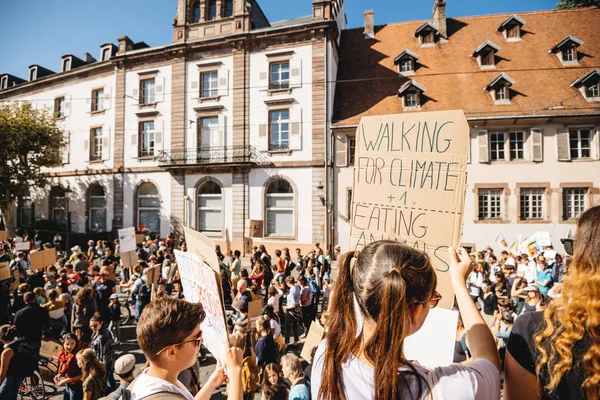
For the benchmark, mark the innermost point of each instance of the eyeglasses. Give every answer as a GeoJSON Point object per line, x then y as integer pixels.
{"type": "Point", "coordinates": [198, 341]}
{"type": "Point", "coordinates": [568, 245]}
{"type": "Point", "coordinates": [434, 300]}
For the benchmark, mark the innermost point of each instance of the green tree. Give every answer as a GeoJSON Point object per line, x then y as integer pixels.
{"type": "Point", "coordinates": [30, 141]}
{"type": "Point", "coordinates": [564, 4]}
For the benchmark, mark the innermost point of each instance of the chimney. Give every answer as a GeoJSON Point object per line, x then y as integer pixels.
{"type": "Point", "coordinates": [439, 17]}
{"type": "Point", "coordinates": [125, 44]}
{"type": "Point", "coordinates": [369, 24]}
{"type": "Point", "coordinates": [88, 59]}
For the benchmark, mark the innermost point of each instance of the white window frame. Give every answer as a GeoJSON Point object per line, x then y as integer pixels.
{"type": "Point", "coordinates": [200, 209]}
{"type": "Point", "coordinates": [105, 54]}
{"type": "Point", "coordinates": [140, 208]}
{"type": "Point", "coordinates": [148, 94]}
{"type": "Point", "coordinates": [569, 54]}
{"type": "Point", "coordinates": [4, 82]}
{"type": "Point", "coordinates": [33, 74]}
{"type": "Point", "coordinates": [593, 91]}
{"type": "Point", "coordinates": [513, 140]}
{"type": "Point", "coordinates": [59, 110]}
{"type": "Point", "coordinates": [351, 147]}
{"type": "Point", "coordinates": [490, 200]}
{"type": "Point", "coordinates": [574, 202]}
{"type": "Point", "coordinates": [281, 123]}
{"type": "Point", "coordinates": [147, 139]}
{"type": "Point", "coordinates": [213, 84]}
{"type": "Point", "coordinates": [98, 99]}
{"type": "Point", "coordinates": [580, 148]}
{"type": "Point", "coordinates": [406, 65]}
{"type": "Point", "coordinates": [497, 139]}
{"type": "Point", "coordinates": [531, 204]}
{"type": "Point", "coordinates": [411, 99]}
{"type": "Point", "coordinates": [212, 123]}
{"type": "Point", "coordinates": [65, 208]}
{"type": "Point", "coordinates": [273, 208]}
{"type": "Point", "coordinates": [93, 208]}
{"type": "Point", "coordinates": [276, 79]}
{"type": "Point", "coordinates": [66, 65]}
{"type": "Point", "coordinates": [96, 144]}
{"type": "Point", "coordinates": [501, 93]}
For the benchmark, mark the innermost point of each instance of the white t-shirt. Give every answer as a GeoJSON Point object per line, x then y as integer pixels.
{"type": "Point", "coordinates": [474, 283]}
{"type": "Point", "coordinates": [480, 380]}
{"type": "Point", "coordinates": [147, 385]}
{"type": "Point", "coordinates": [276, 328]}
{"type": "Point", "coordinates": [529, 270]}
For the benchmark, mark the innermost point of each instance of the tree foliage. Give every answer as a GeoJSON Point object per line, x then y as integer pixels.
{"type": "Point", "coordinates": [30, 141]}
{"type": "Point", "coordinates": [566, 4]}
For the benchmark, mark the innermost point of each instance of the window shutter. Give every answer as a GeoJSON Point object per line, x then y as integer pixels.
{"type": "Point", "coordinates": [296, 73]}
{"type": "Point", "coordinates": [222, 130]}
{"type": "Point", "coordinates": [88, 103]}
{"type": "Point", "coordinates": [562, 144]}
{"type": "Point", "coordinates": [296, 129]}
{"type": "Point", "coordinates": [195, 88]}
{"type": "Point", "coordinates": [67, 109]}
{"type": "Point", "coordinates": [134, 145]}
{"type": "Point", "coordinates": [158, 137]}
{"type": "Point", "coordinates": [107, 98]}
{"type": "Point", "coordinates": [263, 131]}
{"type": "Point", "coordinates": [537, 145]}
{"type": "Point", "coordinates": [159, 93]}
{"type": "Point", "coordinates": [86, 149]}
{"type": "Point", "coordinates": [106, 144]}
{"type": "Point", "coordinates": [341, 151]}
{"type": "Point", "coordinates": [135, 93]}
{"type": "Point", "coordinates": [66, 148]}
{"type": "Point", "coordinates": [484, 150]}
{"type": "Point", "coordinates": [263, 79]}
{"type": "Point", "coordinates": [223, 82]}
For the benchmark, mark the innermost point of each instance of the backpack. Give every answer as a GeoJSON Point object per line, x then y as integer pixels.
{"type": "Point", "coordinates": [250, 375]}
{"type": "Point", "coordinates": [25, 360]}
{"type": "Point", "coordinates": [316, 290]}
{"type": "Point", "coordinates": [144, 294]}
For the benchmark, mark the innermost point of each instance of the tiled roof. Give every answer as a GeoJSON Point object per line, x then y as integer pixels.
{"type": "Point", "coordinates": [368, 81]}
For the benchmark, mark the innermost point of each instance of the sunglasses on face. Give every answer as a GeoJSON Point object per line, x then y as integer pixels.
{"type": "Point", "coordinates": [433, 301]}
{"type": "Point", "coordinates": [568, 245]}
{"type": "Point", "coordinates": [198, 340]}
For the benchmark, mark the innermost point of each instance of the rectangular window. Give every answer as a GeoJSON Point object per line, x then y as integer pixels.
{"type": "Point", "coordinates": [279, 130]}
{"type": "Point", "coordinates": [98, 100]}
{"type": "Point", "coordinates": [490, 204]}
{"type": "Point", "coordinates": [487, 58]}
{"type": "Point", "coordinates": [531, 204]}
{"type": "Point", "coordinates": [513, 31]}
{"type": "Point", "coordinates": [146, 139]}
{"type": "Point", "coordinates": [517, 142]}
{"type": "Point", "coordinates": [501, 93]}
{"type": "Point", "coordinates": [210, 84]}
{"type": "Point", "coordinates": [579, 141]}
{"type": "Point", "coordinates": [497, 143]}
{"type": "Point", "coordinates": [105, 54]}
{"type": "Point", "coordinates": [228, 8]}
{"type": "Point", "coordinates": [208, 125]}
{"type": "Point", "coordinates": [4, 83]}
{"type": "Point", "coordinates": [212, 9]}
{"type": "Point", "coordinates": [406, 65]}
{"type": "Point", "coordinates": [573, 202]}
{"type": "Point", "coordinates": [32, 74]}
{"type": "Point", "coordinates": [66, 65]}
{"type": "Point", "coordinates": [411, 99]}
{"type": "Point", "coordinates": [96, 144]}
{"type": "Point", "coordinates": [59, 107]}
{"type": "Point", "coordinates": [590, 92]}
{"type": "Point", "coordinates": [351, 149]}
{"type": "Point", "coordinates": [147, 88]}
{"type": "Point", "coordinates": [429, 37]}
{"type": "Point", "coordinates": [569, 54]}
{"type": "Point", "coordinates": [280, 75]}
{"type": "Point", "coordinates": [349, 203]}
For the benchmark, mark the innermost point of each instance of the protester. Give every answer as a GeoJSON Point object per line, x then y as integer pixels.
{"type": "Point", "coordinates": [533, 300]}
{"type": "Point", "coordinates": [266, 349]}
{"type": "Point", "coordinates": [13, 368]}
{"type": "Point", "coordinates": [102, 346]}
{"type": "Point", "coordinates": [363, 351]}
{"type": "Point", "coordinates": [93, 375]}
{"type": "Point", "coordinates": [115, 318]}
{"type": "Point", "coordinates": [277, 392]}
{"type": "Point", "coordinates": [272, 376]}
{"type": "Point", "coordinates": [292, 371]}
{"type": "Point", "coordinates": [124, 368]}
{"type": "Point", "coordinates": [84, 308]}
{"type": "Point", "coordinates": [69, 373]}
{"type": "Point", "coordinates": [30, 321]}
{"type": "Point", "coordinates": [544, 278]}
{"type": "Point", "coordinates": [56, 312]}
{"type": "Point", "coordinates": [169, 335]}
{"type": "Point", "coordinates": [250, 371]}
{"type": "Point", "coordinates": [293, 311]}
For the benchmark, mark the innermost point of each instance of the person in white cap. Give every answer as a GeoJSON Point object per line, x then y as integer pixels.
{"type": "Point", "coordinates": [124, 368]}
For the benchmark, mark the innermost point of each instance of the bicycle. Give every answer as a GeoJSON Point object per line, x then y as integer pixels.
{"type": "Point", "coordinates": [33, 387]}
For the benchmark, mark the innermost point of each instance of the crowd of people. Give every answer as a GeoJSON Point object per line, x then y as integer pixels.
{"type": "Point", "coordinates": [532, 316]}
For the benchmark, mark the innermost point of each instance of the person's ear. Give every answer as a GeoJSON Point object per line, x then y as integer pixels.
{"type": "Point", "coordinates": [414, 312]}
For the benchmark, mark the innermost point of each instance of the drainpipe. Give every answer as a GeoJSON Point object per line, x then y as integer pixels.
{"type": "Point", "coordinates": [329, 175]}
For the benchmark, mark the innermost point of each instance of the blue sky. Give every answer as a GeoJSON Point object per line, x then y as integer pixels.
{"type": "Point", "coordinates": [41, 32]}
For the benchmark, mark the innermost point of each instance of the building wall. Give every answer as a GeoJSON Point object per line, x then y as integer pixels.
{"type": "Point", "coordinates": [162, 181]}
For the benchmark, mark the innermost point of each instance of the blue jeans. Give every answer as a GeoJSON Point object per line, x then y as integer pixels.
{"type": "Point", "coordinates": [138, 310]}
{"type": "Point", "coordinates": [73, 392]}
{"type": "Point", "coordinates": [10, 387]}
{"type": "Point", "coordinates": [111, 384]}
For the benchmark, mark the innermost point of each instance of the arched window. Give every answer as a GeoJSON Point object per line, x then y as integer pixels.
{"type": "Point", "coordinates": [228, 8]}
{"type": "Point", "coordinates": [280, 209]}
{"type": "Point", "coordinates": [148, 207]}
{"type": "Point", "coordinates": [196, 12]}
{"type": "Point", "coordinates": [210, 208]}
{"type": "Point", "coordinates": [212, 9]}
{"type": "Point", "coordinates": [58, 207]}
{"type": "Point", "coordinates": [97, 211]}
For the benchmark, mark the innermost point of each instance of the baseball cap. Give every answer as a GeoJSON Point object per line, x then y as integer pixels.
{"type": "Point", "coordinates": [125, 364]}
{"type": "Point", "coordinates": [114, 296]}
{"type": "Point", "coordinates": [510, 261]}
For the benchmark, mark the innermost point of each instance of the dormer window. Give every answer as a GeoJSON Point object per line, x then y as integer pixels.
{"type": "Point", "coordinates": [32, 74]}
{"type": "Point", "coordinates": [406, 62]}
{"type": "Point", "coordinates": [105, 54]}
{"type": "Point", "coordinates": [427, 34]}
{"type": "Point", "coordinates": [589, 85]}
{"type": "Point", "coordinates": [566, 50]}
{"type": "Point", "coordinates": [499, 89]}
{"type": "Point", "coordinates": [486, 54]}
{"type": "Point", "coordinates": [511, 28]}
{"type": "Point", "coordinates": [411, 95]}
{"type": "Point", "coordinates": [66, 65]}
{"type": "Point", "coordinates": [4, 82]}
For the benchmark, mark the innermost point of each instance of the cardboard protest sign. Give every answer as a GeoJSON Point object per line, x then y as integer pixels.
{"type": "Point", "coordinates": [127, 240]}
{"type": "Point", "coordinates": [50, 348]}
{"type": "Point", "coordinates": [248, 243]}
{"type": "Point", "coordinates": [313, 339]}
{"type": "Point", "coordinates": [254, 311]}
{"type": "Point", "coordinates": [129, 259]}
{"type": "Point", "coordinates": [3, 235]}
{"type": "Point", "coordinates": [201, 245]}
{"type": "Point", "coordinates": [410, 179]}
{"type": "Point", "coordinates": [255, 228]}
{"type": "Point", "coordinates": [4, 271]}
{"type": "Point", "coordinates": [433, 345]}
{"type": "Point", "coordinates": [23, 246]}
{"type": "Point", "coordinates": [153, 274]}
{"type": "Point", "coordinates": [201, 284]}
{"type": "Point", "coordinates": [139, 238]}
{"type": "Point", "coordinates": [543, 239]}
{"type": "Point", "coordinates": [501, 241]}
{"type": "Point", "coordinates": [227, 241]}
{"type": "Point", "coordinates": [36, 260]}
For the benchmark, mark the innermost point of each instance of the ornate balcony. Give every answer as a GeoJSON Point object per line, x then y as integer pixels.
{"type": "Point", "coordinates": [211, 156]}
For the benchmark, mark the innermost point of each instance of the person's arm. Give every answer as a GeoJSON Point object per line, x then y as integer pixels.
{"type": "Point", "coordinates": [480, 341]}
{"type": "Point", "coordinates": [5, 358]}
{"type": "Point", "coordinates": [87, 395]}
{"type": "Point", "coordinates": [519, 383]}
{"type": "Point", "coordinates": [66, 381]}
{"type": "Point", "coordinates": [233, 362]}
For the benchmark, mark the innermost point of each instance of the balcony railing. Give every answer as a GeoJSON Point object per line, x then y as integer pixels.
{"type": "Point", "coordinates": [212, 155]}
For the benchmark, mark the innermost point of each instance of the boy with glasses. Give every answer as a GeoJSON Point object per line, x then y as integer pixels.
{"type": "Point", "coordinates": [169, 334]}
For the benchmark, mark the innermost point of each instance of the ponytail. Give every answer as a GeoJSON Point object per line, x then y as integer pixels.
{"type": "Point", "coordinates": [8, 332]}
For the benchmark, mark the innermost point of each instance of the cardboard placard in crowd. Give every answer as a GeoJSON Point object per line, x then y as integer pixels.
{"type": "Point", "coordinates": [410, 179]}
{"type": "Point", "coordinates": [255, 228]}
{"type": "Point", "coordinates": [227, 241]}
{"type": "Point", "coordinates": [254, 311]}
{"type": "Point", "coordinates": [41, 259]}
{"type": "Point", "coordinates": [248, 244]}
{"type": "Point", "coordinates": [313, 339]}
{"type": "Point", "coordinates": [127, 240]}
{"type": "Point", "coordinates": [201, 281]}
{"type": "Point", "coordinates": [23, 246]}
{"type": "Point", "coordinates": [152, 274]}
{"type": "Point", "coordinates": [50, 348]}
{"type": "Point", "coordinates": [3, 235]}
{"type": "Point", "coordinates": [129, 258]}
{"type": "Point", "coordinates": [4, 271]}
{"type": "Point", "coordinates": [139, 238]}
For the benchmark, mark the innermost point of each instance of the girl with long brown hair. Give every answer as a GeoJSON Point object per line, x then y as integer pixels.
{"type": "Point", "coordinates": [554, 354]}
{"type": "Point", "coordinates": [383, 298]}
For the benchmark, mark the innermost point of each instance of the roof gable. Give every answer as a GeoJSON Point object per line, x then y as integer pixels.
{"type": "Point", "coordinates": [512, 19]}
{"type": "Point", "coordinates": [410, 84]}
{"type": "Point", "coordinates": [485, 44]}
{"type": "Point", "coordinates": [568, 39]}
{"type": "Point", "coordinates": [498, 79]}
{"type": "Point", "coordinates": [582, 80]}
{"type": "Point", "coordinates": [426, 26]}
{"type": "Point", "coordinates": [408, 53]}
